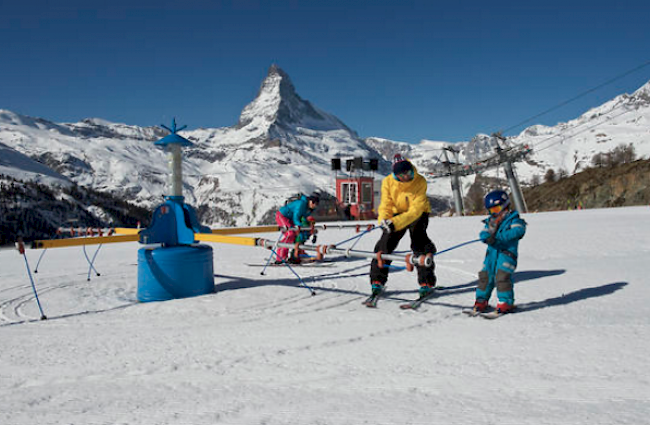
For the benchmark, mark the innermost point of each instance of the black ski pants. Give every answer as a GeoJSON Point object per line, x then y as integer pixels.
{"type": "Point", "coordinates": [420, 245]}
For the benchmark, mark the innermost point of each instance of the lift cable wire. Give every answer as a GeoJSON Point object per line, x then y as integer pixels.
{"type": "Point", "coordinates": [577, 133]}
{"type": "Point", "coordinates": [537, 144]}
{"type": "Point", "coordinates": [586, 92]}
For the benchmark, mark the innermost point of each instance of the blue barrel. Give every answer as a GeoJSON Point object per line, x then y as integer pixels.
{"type": "Point", "coordinates": [167, 273]}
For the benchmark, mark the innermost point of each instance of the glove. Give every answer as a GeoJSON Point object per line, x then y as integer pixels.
{"type": "Point", "coordinates": [492, 227]}
{"type": "Point", "coordinates": [387, 226]}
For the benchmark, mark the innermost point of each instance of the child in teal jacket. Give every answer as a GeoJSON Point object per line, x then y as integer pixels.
{"type": "Point", "coordinates": [502, 232]}
{"type": "Point", "coordinates": [292, 215]}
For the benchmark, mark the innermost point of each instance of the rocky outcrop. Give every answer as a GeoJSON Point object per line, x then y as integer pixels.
{"type": "Point", "coordinates": [622, 185]}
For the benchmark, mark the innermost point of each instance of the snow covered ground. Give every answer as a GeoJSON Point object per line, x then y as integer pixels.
{"type": "Point", "coordinates": [261, 350]}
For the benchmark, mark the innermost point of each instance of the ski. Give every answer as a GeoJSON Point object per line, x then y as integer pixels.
{"type": "Point", "coordinates": [309, 264]}
{"type": "Point", "coordinates": [489, 315]}
{"type": "Point", "coordinates": [371, 301]}
{"type": "Point", "coordinates": [412, 305]}
{"type": "Point", "coordinates": [314, 260]}
{"type": "Point", "coordinates": [305, 259]}
{"type": "Point", "coordinates": [496, 314]}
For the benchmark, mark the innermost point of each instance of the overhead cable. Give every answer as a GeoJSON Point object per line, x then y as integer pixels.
{"type": "Point", "coordinates": [611, 80]}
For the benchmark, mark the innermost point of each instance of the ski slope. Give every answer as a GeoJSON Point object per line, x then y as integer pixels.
{"type": "Point", "coordinates": [261, 350]}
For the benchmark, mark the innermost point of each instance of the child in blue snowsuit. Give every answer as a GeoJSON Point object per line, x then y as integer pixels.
{"type": "Point", "coordinates": [503, 229]}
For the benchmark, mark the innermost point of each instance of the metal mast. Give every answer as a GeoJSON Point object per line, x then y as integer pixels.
{"type": "Point", "coordinates": [452, 167]}
{"type": "Point", "coordinates": [507, 159]}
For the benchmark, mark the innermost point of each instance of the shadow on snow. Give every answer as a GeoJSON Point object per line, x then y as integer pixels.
{"type": "Point", "coordinates": [235, 282]}
{"type": "Point", "coordinates": [571, 297]}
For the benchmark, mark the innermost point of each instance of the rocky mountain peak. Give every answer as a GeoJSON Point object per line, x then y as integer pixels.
{"type": "Point", "coordinates": [278, 81]}
{"type": "Point", "coordinates": [642, 95]}
{"type": "Point", "coordinates": [277, 103]}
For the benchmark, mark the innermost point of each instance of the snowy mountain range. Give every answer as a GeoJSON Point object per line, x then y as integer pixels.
{"type": "Point", "coordinates": [281, 145]}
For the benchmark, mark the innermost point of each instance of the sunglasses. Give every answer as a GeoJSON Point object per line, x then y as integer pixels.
{"type": "Point", "coordinates": [495, 209]}
{"type": "Point", "coordinates": [406, 176]}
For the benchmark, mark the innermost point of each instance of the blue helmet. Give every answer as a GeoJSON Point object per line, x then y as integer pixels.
{"type": "Point", "coordinates": [495, 198]}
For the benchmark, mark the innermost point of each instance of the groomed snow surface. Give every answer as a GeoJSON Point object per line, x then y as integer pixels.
{"type": "Point", "coordinates": [262, 350]}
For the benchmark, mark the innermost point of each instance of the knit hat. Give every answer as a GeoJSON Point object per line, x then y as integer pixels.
{"type": "Point", "coordinates": [401, 165]}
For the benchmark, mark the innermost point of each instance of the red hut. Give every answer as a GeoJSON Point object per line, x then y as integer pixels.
{"type": "Point", "coordinates": [356, 195]}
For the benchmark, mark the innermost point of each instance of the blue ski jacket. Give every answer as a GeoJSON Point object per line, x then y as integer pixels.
{"type": "Point", "coordinates": [502, 254]}
{"type": "Point", "coordinates": [296, 210]}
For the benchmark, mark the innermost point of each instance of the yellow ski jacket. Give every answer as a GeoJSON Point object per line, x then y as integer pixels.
{"type": "Point", "coordinates": [403, 202]}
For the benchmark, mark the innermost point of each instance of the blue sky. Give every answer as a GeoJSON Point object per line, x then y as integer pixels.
{"type": "Point", "coordinates": [404, 70]}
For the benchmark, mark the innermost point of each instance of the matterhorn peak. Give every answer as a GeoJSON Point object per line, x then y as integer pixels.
{"type": "Point", "coordinates": [278, 81]}
{"type": "Point", "coordinates": [264, 109]}
{"type": "Point", "coordinates": [278, 105]}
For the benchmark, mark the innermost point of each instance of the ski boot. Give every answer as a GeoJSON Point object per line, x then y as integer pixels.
{"type": "Point", "coordinates": [293, 257]}
{"type": "Point", "coordinates": [377, 288]}
{"type": "Point", "coordinates": [480, 306]}
{"type": "Point", "coordinates": [503, 308]}
{"type": "Point", "coordinates": [425, 290]}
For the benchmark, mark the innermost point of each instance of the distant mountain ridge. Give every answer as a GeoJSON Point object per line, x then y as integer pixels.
{"type": "Point", "coordinates": [13, 162]}
{"type": "Point", "coordinates": [235, 175]}
{"type": "Point", "coordinates": [282, 144]}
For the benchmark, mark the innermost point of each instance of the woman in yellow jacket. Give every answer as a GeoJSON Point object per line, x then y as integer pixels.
{"type": "Point", "coordinates": [404, 206]}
